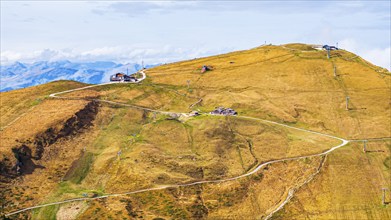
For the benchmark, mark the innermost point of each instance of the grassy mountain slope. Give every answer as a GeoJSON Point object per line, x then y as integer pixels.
{"type": "Point", "coordinates": [70, 146]}
{"type": "Point", "coordinates": [295, 86]}
{"type": "Point", "coordinates": [17, 102]}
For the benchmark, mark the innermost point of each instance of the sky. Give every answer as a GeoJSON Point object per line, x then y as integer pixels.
{"type": "Point", "coordinates": [167, 31]}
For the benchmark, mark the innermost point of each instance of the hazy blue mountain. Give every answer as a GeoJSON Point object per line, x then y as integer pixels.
{"type": "Point", "coordinates": [21, 75]}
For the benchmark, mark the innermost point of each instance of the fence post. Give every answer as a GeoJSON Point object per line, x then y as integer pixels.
{"type": "Point", "coordinates": [365, 146]}
{"type": "Point", "coordinates": [347, 102]}
{"type": "Point", "coordinates": [384, 196]}
{"type": "Point", "coordinates": [119, 154]}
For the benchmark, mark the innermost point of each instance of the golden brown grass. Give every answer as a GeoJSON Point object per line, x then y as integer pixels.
{"type": "Point", "coordinates": [16, 102]}
{"type": "Point", "coordinates": [349, 187]}
{"type": "Point", "coordinates": [284, 85]}
{"type": "Point", "coordinates": [293, 85]}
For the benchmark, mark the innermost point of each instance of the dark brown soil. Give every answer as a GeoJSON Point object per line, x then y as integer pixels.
{"type": "Point", "coordinates": [31, 151]}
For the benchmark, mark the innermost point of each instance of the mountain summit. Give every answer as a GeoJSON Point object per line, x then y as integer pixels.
{"type": "Point", "coordinates": [282, 132]}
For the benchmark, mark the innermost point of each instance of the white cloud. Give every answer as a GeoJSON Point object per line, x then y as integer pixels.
{"type": "Point", "coordinates": [380, 57]}
{"type": "Point", "coordinates": [349, 44]}
{"type": "Point", "coordinates": [129, 31]}
{"type": "Point", "coordinates": [120, 54]}
{"type": "Point", "coordinates": [9, 57]}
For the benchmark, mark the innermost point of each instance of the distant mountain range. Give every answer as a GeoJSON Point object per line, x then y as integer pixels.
{"type": "Point", "coordinates": [21, 75]}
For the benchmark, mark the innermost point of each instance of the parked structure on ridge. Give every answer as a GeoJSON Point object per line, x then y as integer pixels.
{"type": "Point", "coordinates": [194, 113]}
{"type": "Point", "coordinates": [327, 47]}
{"type": "Point", "coordinates": [122, 77]}
{"type": "Point", "coordinates": [223, 111]}
{"type": "Point", "coordinates": [206, 68]}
